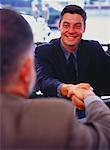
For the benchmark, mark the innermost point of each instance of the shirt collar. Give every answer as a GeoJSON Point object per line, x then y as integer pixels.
{"type": "Point", "coordinates": [67, 54]}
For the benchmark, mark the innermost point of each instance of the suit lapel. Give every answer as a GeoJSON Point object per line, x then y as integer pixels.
{"type": "Point", "coordinates": [59, 58]}
{"type": "Point", "coordinates": [83, 59]}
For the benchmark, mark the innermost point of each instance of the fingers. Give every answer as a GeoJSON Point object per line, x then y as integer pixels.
{"type": "Point", "coordinates": [77, 102]}
{"type": "Point", "coordinates": [75, 91]}
{"type": "Point", "coordinates": [65, 89]}
{"type": "Point", "coordinates": [85, 86]}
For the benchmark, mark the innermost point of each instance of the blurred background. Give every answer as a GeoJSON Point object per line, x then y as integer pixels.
{"type": "Point", "coordinates": [43, 15]}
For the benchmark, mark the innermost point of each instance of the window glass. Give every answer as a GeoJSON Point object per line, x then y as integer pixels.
{"type": "Point", "coordinates": [43, 15]}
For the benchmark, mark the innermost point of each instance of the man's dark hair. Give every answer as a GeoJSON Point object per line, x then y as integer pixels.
{"type": "Point", "coordinates": [15, 39]}
{"type": "Point", "coordinates": [74, 9]}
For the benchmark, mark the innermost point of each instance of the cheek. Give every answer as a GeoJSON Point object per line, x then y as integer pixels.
{"type": "Point", "coordinates": [64, 33]}
{"type": "Point", "coordinates": [32, 79]}
{"type": "Point", "coordinates": [80, 32]}
{"type": "Point", "coordinates": [62, 29]}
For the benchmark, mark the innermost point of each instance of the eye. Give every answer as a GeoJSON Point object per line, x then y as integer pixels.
{"type": "Point", "coordinates": [65, 25]}
{"type": "Point", "coordinates": [78, 26]}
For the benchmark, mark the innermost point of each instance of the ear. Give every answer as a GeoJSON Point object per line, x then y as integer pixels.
{"type": "Point", "coordinates": [59, 23]}
{"type": "Point", "coordinates": [24, 73]}
{"type": "Point", "coordinates": [84, 28]}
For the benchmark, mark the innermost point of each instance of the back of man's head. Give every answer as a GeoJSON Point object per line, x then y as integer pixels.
{"type": "Point", "coordinates": [16, 39]}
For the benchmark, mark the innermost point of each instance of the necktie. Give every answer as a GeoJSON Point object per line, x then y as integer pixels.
{"type": "Point", "coordinates": [70, 70]}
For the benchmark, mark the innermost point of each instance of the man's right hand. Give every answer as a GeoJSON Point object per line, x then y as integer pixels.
{"type": "Point", "coordinates": [67, 89]}
{"type": "Point", "coordinates": [77, 93]}
{"type": "Point", "coordinates": [79, 103]}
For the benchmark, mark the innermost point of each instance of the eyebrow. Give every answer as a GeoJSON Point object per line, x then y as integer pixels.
{"type": "Point", "coordinates": [77, 23]}
{"type": "Point", "coordinates": [66, 22]}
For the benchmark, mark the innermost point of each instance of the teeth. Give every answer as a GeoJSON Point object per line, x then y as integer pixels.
{"type": "Point", "coordinates": [71, 37]}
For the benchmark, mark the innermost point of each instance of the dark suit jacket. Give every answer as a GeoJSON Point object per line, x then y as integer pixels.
{"type": "Point", "coordinates": [50, 124]}
{"type": "Point", "coordinates": [93, 67]}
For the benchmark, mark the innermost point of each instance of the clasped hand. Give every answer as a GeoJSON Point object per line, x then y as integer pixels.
{"type": "Point", "coordinates": [77, 93]}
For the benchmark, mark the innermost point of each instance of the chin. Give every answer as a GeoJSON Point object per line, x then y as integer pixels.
{"type": "Point", "coordinates": [71, 43]}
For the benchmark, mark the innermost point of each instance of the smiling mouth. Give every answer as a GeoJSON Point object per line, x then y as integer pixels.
{"type": "Point", "coordinates": [72, 37]}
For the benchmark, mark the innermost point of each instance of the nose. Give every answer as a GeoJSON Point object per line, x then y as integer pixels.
{"type": "Point", "coordinates": [71, 29]}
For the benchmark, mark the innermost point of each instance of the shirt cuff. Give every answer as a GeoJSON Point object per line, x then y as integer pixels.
{"type": "Point", "coordinates": [58, 90]}
{"type": "Point", "coordinates": [91, 98]}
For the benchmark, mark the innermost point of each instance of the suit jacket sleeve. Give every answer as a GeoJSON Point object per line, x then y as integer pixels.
{"type": "Point", "coordinates": [95, 134]}
{"type": "Point", "coordinates": [46, 66]}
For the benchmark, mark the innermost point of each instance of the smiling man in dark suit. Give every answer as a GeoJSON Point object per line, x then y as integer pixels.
{"type": "Point", "coordinates": [91, 64]}
{"type": "Point", "coordinates": [45, 123]}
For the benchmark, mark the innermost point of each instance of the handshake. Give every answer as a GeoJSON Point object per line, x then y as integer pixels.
{"type": "Point", "coordinates": [77, 93]}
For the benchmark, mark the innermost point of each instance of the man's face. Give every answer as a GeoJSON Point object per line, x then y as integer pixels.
{"type": "Point", "coordinates": [71, 27]}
